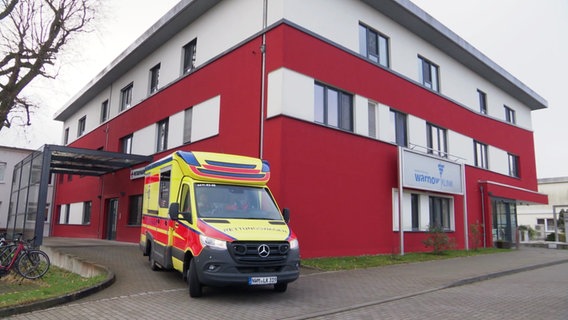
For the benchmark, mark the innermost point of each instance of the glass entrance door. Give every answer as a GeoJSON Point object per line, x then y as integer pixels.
{"type": "Point", "coordinates": [504, 219]}
{"type": "Point", "coordinates": [112, 216]}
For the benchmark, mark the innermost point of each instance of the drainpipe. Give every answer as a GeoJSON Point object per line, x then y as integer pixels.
{"type": "Point", "coordinates": [483, 215]}
{"type": "Point", "coordinates": [262, 75]}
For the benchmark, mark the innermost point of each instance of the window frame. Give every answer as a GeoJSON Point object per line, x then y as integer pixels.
{"type": "Point", "coordinates": [510, 115]}
{"type": "Point", "coordinates": [382, 55]}
{"type": "Point", "coordinates": [372, 119]}
{"type": "Point", "coordinates": [482, 101]}
{"type": "Point", "coordinates": [3, 168]}
{"type": "Point", "coordinates": [399, 123]}
{"type": "Point", "coordinates": [81, 126]}
{"type": "Point", "coordinates": [126, 144]}
{"type": "Point", "coordinates": [135, 210]}
{"type": "Point", "coordinates": [431, 80]}
{"type": "Point", "coordinates": [104, 111]}
{"type": "Point", "coordinates": [441, 135]}
{"type": "Point", "coordinates": [154, 85]}
{"type": "Point", "coordinates": [189, 54]}
{"type": "Point", "coordinates": [332, 112]}
{"type": "Point", "coordinates": [513, 165]}
{"type": "Point", "coordinates": [445, 217]}
{"type": "Point", "coordinates": [162, 135]}
{"type": "Point", "coordinates": [126, 97]}
{"type": "Point", "coordinates": [480, 151]}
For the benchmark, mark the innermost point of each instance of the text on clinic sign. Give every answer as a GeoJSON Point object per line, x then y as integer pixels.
{"type": "Point", "coordinates": [420, 171]}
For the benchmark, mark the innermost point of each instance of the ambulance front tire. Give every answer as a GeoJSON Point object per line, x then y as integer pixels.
{"type": "Point", "coordinates": [195, 287]}
{"type": "Point", "coordinates": [281, 287]}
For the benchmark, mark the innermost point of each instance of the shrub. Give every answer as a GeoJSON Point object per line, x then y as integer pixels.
{"type": "Point", "coordinates": [438, 240]}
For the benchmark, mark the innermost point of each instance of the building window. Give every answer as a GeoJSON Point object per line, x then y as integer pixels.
{"type": "Point", "coordinates": [189, 51]}
{"type": "Point", "coordinates": [333, 108]}
{"type": "Point", "coordinates": [66, 136]}
{"type": "Point", "coordinates": [513, 165]}
{"type": "Point", "coordinates": [82, 126]}
{"type": "Point", "coordinates": [547, 223]}
{"type": "Point", "coordinates": [437, 140]}
{"type": "Point", "coordinates": [480, 151]}
{"type": "Point", "coordinates": [187, 120]}
{"type": "Point", "coordinates": [373, 45]}
{"type": "Point", "coordinates": [87, 212]}
{"type": "Point", "coordinates": [415, 208]}
{"type": "Point", "coordinates": [162, 135]}
{"type": "Point", "coordinates": [482, 102]}
{"type": "Point", "coordinates": [164, 195]}
{"type": "Point", "coordinates": [135, 211]}
{"type": "Point", "coordinates": [126, 144]}
{"type": "Point", "coordinates": [104, 111]}
{"type": "Point", "coordinates": [440, 212]}
{"type": "Point", "coordinates": [3, 166]}
{"type": "Point", "coordinates": [398, 124]}
{"type": "Point", "coordinates": [154, 78]}
{"type": "Point", "coordinates": [372, 114]}
{"type": "Point", "coordinates": [64, 213]}
{"type": "Point", "coordinates": [510, 115]}
{"type": "Point", "coordinates": [429, 74]}
{"type": "Point", "coordinates": [126, 97]}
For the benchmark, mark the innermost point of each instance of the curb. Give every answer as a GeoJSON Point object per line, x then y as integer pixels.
{"type": "Point", "coordinates": [64, 261]}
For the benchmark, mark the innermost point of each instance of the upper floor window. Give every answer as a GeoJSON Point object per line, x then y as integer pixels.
{"type": "Point", "coordinates": [104, 111]}
{"type": "Point", "coordinates": [189, 56]}
{"type": "Point", "coordinates": [66, 136]}
{"type": "Point", "coordinates": [513, 165]}
{"type": "Point", "coordinates": [126, 97]}
{"type": "Point", "coordinates": [126, 144]}
{"type": "Point", "coordinates": [373, 45]}
{"type": "Point", "coordinates": [372, 114]}
{"type": "Point", "coordinates": [162, 135]}
{"type": "Point", "coordinates": [187, 125]}
{"type": "Point", "coordinates": [482, 102]}
{"type": "Point", "coordinates": [510, 115]}
{"type": "Point", "coordinates": [82, 126]}
{"type": "Point", "coordinates": [429, 74]}
{"type": "Point", "coordinates": [154, 78]}
{"type": "Point", "coordinates": [437, 140]}
{"type": "Point", "coordinates": [480, 151]}
{"type": "Point", "coordinates": [3, 166]}
{"type": "Point", "coordinates": [398, 124]}
{"type": "Point", "coordinates": [333, 107]}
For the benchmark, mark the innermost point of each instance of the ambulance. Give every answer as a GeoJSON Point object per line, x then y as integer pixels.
{"type": "Point", "coordinates": [211, 217]}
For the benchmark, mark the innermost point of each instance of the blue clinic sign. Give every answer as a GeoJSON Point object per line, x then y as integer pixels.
{"type": "Point", "coordinates": [421, 171]}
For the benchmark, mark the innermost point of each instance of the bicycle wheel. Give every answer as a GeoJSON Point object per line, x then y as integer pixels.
{"type": "Point", "coordinates": [32, 264]}
{"type": "Point", "coordinates": [6, 254]}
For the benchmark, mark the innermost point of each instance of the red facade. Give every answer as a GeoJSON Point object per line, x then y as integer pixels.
{"type": "Point", "coordinates": [338, 185]}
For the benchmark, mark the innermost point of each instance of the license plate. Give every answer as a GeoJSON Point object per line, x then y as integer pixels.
{"type": "Point", "coordinates": [257, 281]}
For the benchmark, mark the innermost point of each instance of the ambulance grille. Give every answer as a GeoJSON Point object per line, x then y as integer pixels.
{"type": "Point", "coordinates": [265, 253]}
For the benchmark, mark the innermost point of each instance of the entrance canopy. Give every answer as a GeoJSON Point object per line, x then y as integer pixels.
{"type": "Point", "coordinates": [31, 179]}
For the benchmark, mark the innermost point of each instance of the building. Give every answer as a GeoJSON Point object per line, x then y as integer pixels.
{"type": "Point", "coordinates": [544, 217]}
{"type": "Point", "coordinates": [330, 100]}
{"type": "Point", "coordinates": [16, 166]}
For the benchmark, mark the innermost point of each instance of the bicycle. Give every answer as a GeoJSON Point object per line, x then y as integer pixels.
{"type": "Point", "coordinates": [27, 262]}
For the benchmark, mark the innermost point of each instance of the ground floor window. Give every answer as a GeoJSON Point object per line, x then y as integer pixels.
{"type": "Point", "coordinates": [78, 213]}
{"type": "Point", "coordinates": [135, 210]}
{"type": "Point", "coordinates": [422, 210]}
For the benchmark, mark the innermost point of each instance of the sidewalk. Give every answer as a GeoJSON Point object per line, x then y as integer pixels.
{"type": "Point", "coordinates": [314, 294]}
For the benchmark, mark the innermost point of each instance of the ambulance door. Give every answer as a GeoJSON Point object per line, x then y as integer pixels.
{"type": "Point", "coordinates": [182, 227]}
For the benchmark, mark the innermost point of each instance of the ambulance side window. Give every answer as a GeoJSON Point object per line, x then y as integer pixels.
{"type": "Point", "coordinates": [164, 198]}
{"type": "Point", "coordinates": [185, 198]}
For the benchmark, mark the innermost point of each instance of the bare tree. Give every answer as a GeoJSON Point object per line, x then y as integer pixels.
{"type": "Point", "coordinates": [32, 34]}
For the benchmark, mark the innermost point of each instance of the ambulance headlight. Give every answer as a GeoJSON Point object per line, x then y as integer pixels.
{"type": "Point", "coordinates": [212, 243]}
{"type": "Point", "coordinates": [294, 244]}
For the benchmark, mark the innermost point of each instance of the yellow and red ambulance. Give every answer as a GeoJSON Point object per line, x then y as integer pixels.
{"type": "Point", "coordinates": [212, 217]}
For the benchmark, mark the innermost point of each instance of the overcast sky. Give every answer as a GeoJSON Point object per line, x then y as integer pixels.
{"type": "Point", "coordinates": [528, 38]}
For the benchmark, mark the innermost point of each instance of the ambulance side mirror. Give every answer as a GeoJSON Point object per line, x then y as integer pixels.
{"type": "Point", "coordinates": [286, 214]}
{"type": "Point", "coordinates": [173, 211]}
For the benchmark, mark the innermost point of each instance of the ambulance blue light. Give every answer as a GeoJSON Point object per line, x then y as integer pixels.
{"type": "Point", "coordinates": [265, 166]}
{"type": "Point", "coordinates": [189, 158]}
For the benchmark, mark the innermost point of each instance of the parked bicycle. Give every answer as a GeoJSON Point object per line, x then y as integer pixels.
{"type": "Point", "coordinates": [19, 255]}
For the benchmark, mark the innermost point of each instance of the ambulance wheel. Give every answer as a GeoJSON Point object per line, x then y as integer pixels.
{"type": "Point", "coordinates": [195, 287]}
{"type": "Point", "coordinates": [153, 265]}
{"type": "Point", "coordinates": [281, 287]}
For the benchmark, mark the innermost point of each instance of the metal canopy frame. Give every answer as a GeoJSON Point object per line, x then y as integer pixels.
{"type": "Point", "coordinates": [75, 161]}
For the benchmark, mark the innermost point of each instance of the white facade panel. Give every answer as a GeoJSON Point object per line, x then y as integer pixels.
{"type": "Point", "coordinates": [498, 160]}
{"type": "Point", "coordinates": [76, 213]}
{"type": "Point", "coordinates": [144, 141]}
{"type": "Point", "coordinates": [361, 115]}
{"type": "Point", "coordinates": [290, 93]}
{"type": "Point", "coordinates": [417, 131]}
{"type": "Point", "coordinates": [386, 131]}
{"type": "Point", "coordinates": [175, 130]}
{"type": "Point", "coordinates": [206, 116]}
{"type": "Point", "coordinates": [461, 146]}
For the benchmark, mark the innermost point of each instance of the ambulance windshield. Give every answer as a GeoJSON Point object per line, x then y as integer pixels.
{"type": "Point", "coordinates": [234, 202]}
